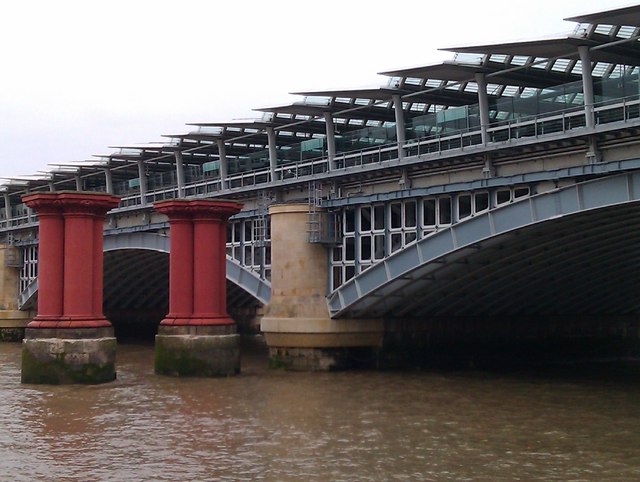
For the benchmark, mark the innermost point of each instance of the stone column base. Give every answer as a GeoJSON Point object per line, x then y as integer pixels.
{"type": "Point", "coordinates": [323, 359]}
{"type": "Point", "coordinates": [322, 344]}
{"type": "Point", "coordinates": [65, 356]}
{"type": "Point", "coordinates": [197, 351]}
{"type": "Point", "coordinates": [13, 324]}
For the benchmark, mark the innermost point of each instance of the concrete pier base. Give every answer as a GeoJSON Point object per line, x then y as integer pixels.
{"type": "Point", "coordinates": [322, 359]}
{"type": "Point", "coordinates": [197, 351]}
{"type": "Point", "coordinates": [13, 324]}
{"type": "Point", "coordinates": [64, 356]}
{"type": "Point", "coordinates": [321, 344]}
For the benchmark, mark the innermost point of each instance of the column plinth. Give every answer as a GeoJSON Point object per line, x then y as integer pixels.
{"type": "Point", "coordinates": [197, 337]}
{"type": "Point", "coordinates": [69, 340]}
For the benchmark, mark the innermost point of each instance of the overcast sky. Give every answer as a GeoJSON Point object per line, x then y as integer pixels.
{"type": "Point", "coordinates": [80, 76]}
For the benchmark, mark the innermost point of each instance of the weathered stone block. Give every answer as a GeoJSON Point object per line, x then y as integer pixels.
{"type": "Point", "coordinates": [197, 355]}
{"type": "Point", "coordinates": [58, 361]}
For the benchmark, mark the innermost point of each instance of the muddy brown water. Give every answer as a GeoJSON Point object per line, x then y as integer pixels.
{"type": "Point", "coordinates": [565, 422]}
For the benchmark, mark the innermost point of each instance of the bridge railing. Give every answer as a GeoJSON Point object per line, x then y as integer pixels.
{"type": "Point", "coordinates": [619, 110]}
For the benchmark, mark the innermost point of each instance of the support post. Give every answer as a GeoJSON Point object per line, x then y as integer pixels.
{"type": "Point", "coordinates": [12, 320]}
{"type": "Point", "coordinates": [142, 177]}
{"type": "Point", "coordinates": [400, 126]}
{"type": "Point", "coordinates": [180, 173]}
{"type": "Point", "coordinates": [70, 340]}
{"type": "Point", "coordinates": [108, 179]}
{"type": "Point", "coordinates": [197, 337]}
{"type": "Point", "coordinates": [483, 104]}
{"type": "Point", "coordinates": [224, 167]}
{"type": "Point", "coordinates": [331, 141]}
{"type": "Point", "coordinates": [7, 207]}
{"type": "Point", "coordinates": [273, 153]}
{"type": "Point", "coordinates": [587, 85]}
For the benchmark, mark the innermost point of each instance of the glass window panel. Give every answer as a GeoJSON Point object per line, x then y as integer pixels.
{"type": "Point", "coordinates": [378, 218]}
{"type": "Point", "coordinates": [520, 192]}
{"type": "Point", "coordinates": [429, 212]}
{"type": "Point", "coordinates": [410, 214]}
{"type": "Point", "coordinates": [350, 272]}
{"type": "Point", "coordinates": [396, 215]}
{"type": "Point", "coordinates": [349, 220]}
{"type": "Point", "coordinates": [464, 206]}
{"type": "Point", "coordinates": [410, 237]}
{"type": "Point", "coordinates": [365, 248]}
{"type": "Point", "coordinates": [378, 241]}
{"type": "Point", "coordinates": [365, 218]}
{"type": "Point", "coordinates": [444, 210]}
{"type": "Point", "coordinates": [337, 276]}
{"type": "Point", "coordinates": [337, 253]}
{"type": "Point", "coordinates": [247, 230]}
{"type": "Point", "coordinates": [396, 242]}
{"type": "Point", "coordinates": [482, 201]}
{"type": "Point", "coordinates": [350, 248]}
{"type": "Point", "coordinates": [503, 196]}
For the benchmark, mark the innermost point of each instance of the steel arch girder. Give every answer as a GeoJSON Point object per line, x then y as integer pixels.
{"type": "Point", "coordinates": [417, 260]}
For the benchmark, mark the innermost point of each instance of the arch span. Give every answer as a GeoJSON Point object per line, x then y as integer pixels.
{"type": "Point", "coordinates": [571, 251]}
{"type": "Point", "coordinates": [129, 253]}
{"type": "Point", "coordinates": [247, 280]}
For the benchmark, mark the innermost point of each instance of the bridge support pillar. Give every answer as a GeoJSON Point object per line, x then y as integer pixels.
{"type": "Point", "coordinates": [12, 320]}
{"type": "Point", "coordinates": [297, 327]}
{"type": "Point", "coordinates": [197, 337]}
{"type": "Point", "coordinates": [70, 340]}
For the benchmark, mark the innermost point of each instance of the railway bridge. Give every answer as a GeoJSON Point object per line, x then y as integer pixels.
{"type": "Point", "coordinates": [470, 205]}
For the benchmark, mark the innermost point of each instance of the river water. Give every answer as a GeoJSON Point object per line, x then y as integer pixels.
{"type": "Point", "coordinates": [557, 423]}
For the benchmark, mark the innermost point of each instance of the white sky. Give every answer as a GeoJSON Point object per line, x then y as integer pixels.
{"type": "Point", "coordinates": [79, 76]}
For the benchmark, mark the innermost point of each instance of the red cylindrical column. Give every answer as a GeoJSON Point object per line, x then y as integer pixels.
{"type": "Point", "coordinates": [78, 265]}
{"type": "Point", "coordinates": [98, 267]}
{"type": "Point", "coordinates": [210, 223]}
{"type": "Point", "coordinates": [70, 258]}
{"type": "Point", "coordinates": [197, 279]}
{"type": "Point", "coordinates": [180, 261]}
{"type": "Point", "coordinates": [50, 256]}
{"type": "Point", "coordinates": [205, 277]}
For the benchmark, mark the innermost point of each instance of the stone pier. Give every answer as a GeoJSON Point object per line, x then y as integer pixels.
{"type": "Point", "coordinates": [12, 320]}
{"type": "Point", "coordinates": [297, 327]}
{"type": "Point", "coordinates": [70, 340]}
{"type": "Point", "coordinates": [197, 337]}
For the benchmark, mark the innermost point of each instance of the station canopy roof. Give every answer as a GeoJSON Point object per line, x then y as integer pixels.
{"type": "Point", "coordinates": [509, 68]}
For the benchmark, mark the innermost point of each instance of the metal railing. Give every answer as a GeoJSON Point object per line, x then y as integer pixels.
{"type": "Point", "coordinates": [621, 110]}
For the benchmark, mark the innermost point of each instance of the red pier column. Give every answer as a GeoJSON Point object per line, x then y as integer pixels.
{"type": "Point", "coordinates": [180, 262]}
{"type": "Point", "coordinates": [70, 340]}
{"type": "Point", "coordinates": [50, 249]}
{"type": "Point", "coordinates": [197, 337]}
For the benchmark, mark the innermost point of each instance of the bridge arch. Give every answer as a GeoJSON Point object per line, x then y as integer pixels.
{"type": "Point", "coordinates": [127, 255]}
{"type": "Point", "coordinates": [571, 251]}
